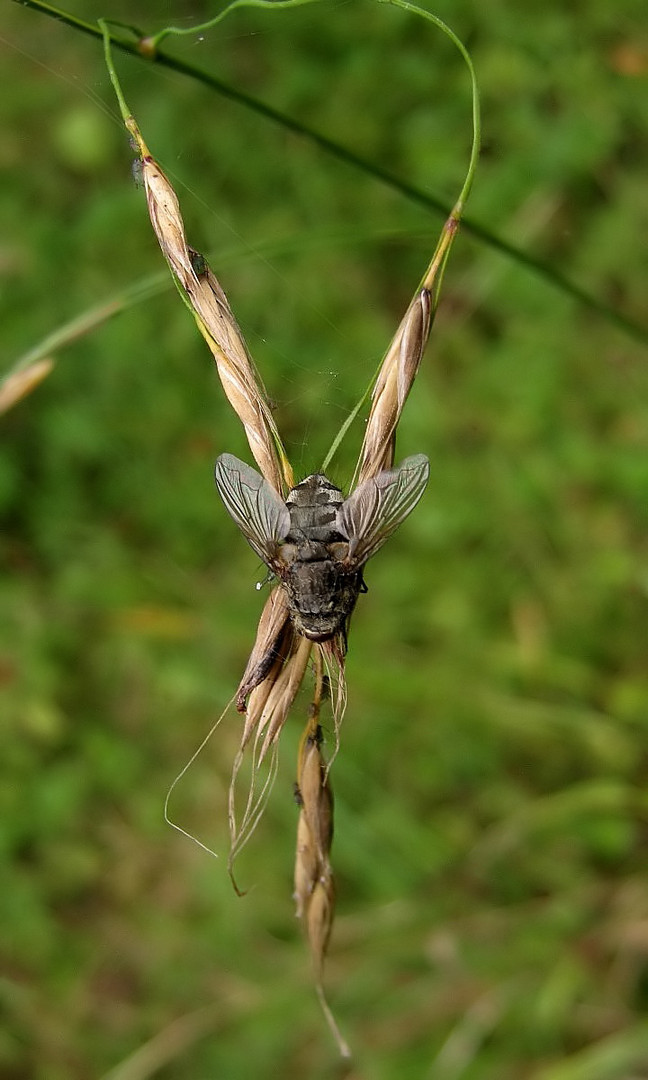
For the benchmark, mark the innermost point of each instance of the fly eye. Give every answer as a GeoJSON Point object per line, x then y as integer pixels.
{"type": "Point", "coordinates": [287, 553]}
{"type": "Point", "coordinates": [339, 550]}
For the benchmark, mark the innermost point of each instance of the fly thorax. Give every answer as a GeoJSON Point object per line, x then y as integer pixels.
{"type": "Point", "coordinates": [313, 507]}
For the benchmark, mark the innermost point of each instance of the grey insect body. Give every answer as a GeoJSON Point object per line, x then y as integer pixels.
{"type": "Point", "coordinates": [321, 588]}
{"type": "Point", "coordinates": [317, 542]}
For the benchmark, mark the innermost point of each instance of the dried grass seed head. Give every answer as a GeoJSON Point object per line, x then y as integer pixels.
{"type": "Point", "coordinates": [216, 321]}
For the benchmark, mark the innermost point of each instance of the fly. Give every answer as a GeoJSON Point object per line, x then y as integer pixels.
{"type": "Point", "coordinates": [317, 542]}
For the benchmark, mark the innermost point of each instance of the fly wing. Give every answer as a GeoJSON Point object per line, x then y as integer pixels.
{"type": "Point", "coordinates": [254, 505]}
{"type": "Point", "coordinates": [371, 514]}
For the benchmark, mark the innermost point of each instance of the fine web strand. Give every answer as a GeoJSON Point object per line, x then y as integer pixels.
{"type": "Point", "coordinates": [182, 773]}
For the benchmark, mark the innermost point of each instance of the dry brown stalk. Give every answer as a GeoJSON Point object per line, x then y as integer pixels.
{"type": "Point", "coordinates": [314, 885]}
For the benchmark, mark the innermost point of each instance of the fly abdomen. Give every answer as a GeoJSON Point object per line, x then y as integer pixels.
{"type": "Point", "coordinates": [321, 595]}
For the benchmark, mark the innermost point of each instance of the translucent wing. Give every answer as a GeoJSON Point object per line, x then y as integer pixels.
{"type": "Point", "coordinates": [254, 505]}
{"type": "Point", "coordinates": [371, 514]}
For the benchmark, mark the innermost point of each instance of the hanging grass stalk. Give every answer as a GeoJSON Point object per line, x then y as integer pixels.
{"type": "Point", "coordinates": [314, 541]}
{"type": "Point", "coordinates": [314, 881]}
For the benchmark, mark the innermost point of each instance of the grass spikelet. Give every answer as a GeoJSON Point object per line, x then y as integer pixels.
{"type": "Point", "coordinates": [270, 701]}
{"type": "Point", "coordinates": [283, 693]}
{"type": "Point", "coordinates": [204, 296]}
{"type": "Point", "coordinates": [259, 697]}
{"type": "Point", "coordinates": [306, 864]}
{"type": "Point", "coordinates": [273, 626]}
{"type": "Point", "coordinates": [319, 920]}
{"type": "Point", "coordinates": [215, 320]}
{"type": "Point", "coordinates": [393, 384]}
{"type": "Point", "coordinates": [268, 708]}
{"type": "Point", "coordinates": [315, 792]}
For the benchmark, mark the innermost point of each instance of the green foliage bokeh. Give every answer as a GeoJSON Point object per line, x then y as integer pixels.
{"type": "Point", "coordinates": [491, 785]}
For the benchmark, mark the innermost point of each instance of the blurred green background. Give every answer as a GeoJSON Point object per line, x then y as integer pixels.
{"type": "Point", "coordinates": [491, 804]}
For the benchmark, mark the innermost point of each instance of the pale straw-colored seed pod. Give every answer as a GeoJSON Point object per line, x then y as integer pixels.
{"type": "Point", "coordinates": [392, 386]}
{"type": "Point", "coordinates": [319, 920]}
{"type": "Point", "coordinates": [306, 867]}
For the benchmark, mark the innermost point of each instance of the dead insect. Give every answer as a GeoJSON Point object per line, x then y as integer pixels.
{"type": "Point", "coordinates": [198, 262]}
{"type": "Point", "coordinates": [317, 542]}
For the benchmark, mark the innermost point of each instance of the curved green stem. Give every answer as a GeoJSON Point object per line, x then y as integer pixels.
{"type": "Point", "coordinates": [524, 258]}
{"type": "Point", "coordinates": [347, 423]}
{"type": "Point", "coordinates": [107, 43]}
{"type": "Point", "coordinates": [414, 9]}
{"type": "Point", "coordinates": [433, 277]}
{"type": "Point", "coordinates": [176, 31]}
